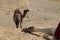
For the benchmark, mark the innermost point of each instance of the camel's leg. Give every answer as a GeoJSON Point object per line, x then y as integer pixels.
{"type": "Point", "coordinates": [17, 24]}
{"type": "Point", "coordinates": [20, 22]}
{"type": "Point", "coordinates": [15, 18]}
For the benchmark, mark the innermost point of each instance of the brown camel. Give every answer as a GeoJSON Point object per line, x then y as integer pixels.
{"type": "Point", "coordinates": [18, 17]}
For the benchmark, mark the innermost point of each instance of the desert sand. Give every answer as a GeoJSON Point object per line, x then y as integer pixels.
{"type": "Point", "coordinates": [43, 13]}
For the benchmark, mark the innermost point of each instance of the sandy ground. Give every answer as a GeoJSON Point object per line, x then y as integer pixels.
{"type": "Point", "coordinates": [43, 13]}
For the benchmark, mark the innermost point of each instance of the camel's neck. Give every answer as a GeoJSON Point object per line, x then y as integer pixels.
{"type": "Point", "coordinates": [24, 14]}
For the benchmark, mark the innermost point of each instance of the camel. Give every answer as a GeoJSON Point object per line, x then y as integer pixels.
{"type": "Point", "coordinates": [18, 17]}
{"type": "Point", "coordinates": [53, 31]}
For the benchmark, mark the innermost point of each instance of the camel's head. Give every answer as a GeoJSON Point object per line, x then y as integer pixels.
{"type": "Point", "coordinates": [28, 30]}
{"type": "Point", "coordinates": [26, 10]}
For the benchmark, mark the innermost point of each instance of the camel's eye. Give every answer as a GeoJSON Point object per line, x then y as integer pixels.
{"type": "Point", "coordinates": [31, 27]}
